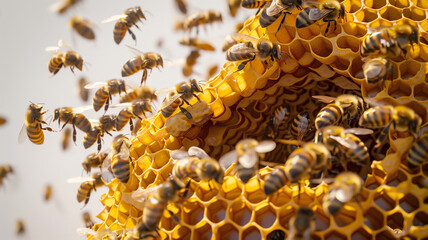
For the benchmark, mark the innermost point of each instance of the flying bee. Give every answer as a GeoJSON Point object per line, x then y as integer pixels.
{"type": "Point", "coordinates": [120, 158]}
{"type": "Point", "coordinates": [347, 185]}
{"type": "Point", "coordinates": [399, 118]}
{"type": "Point", "coordinates": [201, 18]}
{"type": "Point", "coordinates": [281, 114]}
{"type": "Point", "coordinates": [4, 171]}
{"type": "Point", "coordinates": [301, 224]}
{"type": "Point", "coordinates": [179, 25]}
{"type": "Point", "coordinates": [144, 62]}
{"type": "Point", "coordinates": [312, 158]}
{"type": "Point", "coordinates": [48, 192]}
{"type": "Point", "coordinates": [105, 92]}
{"type": "Point", "coordinates": [74, 117]}
{"type": "Point", "coordinates": [94, 160]}
{"type": "Point", "coordinates": [254, 3]}
{"type": "Point", "coordinates": [87, 220]}
{"type": "Point", "coordinates": [378, 70]}
{"type": "Point", "coordinates": [196, 163]}
{"type": "Point", "coordinates": [63, 59]}
{"type": "Point", "coordinates": [176, 98]}
{"type": "Point", "coordinates": [246, 156]}
{"type": "Point", "coordinates": [20, 227]}
{"type": "Point", "coordinates": [418, 153]}
{"type": "Point", "coordinates": [33, 125]}
{"type": "Point", "coordinates": [124, 22]}
{"type": "Point", "coordinates": [83, 92]}
{"type": "Point", "coordinates": [2, 121]}
{"type": "Point", "coordinates": [82, 27]}
{"type": "Point", "coordinates": [190, 62]}
{"type": "Point", "coordinates": [327, 10]}
{"type": "Point", "coordinates": [96, 134]}
{"type": "Point", "coordinates": [108, 123]}
{"type": "Point", "coordinates": [136, 109]}
{"type": "Point", "coordinates": [234, 6]}
{"type": "Point", "coordinates": [277, 8]}
{"type": "Point", "coordinates": [300, 126]}
{"type": "Point", "coordinates": [139, 93]}
{"type": "Point", "coordinates": [181, 5]}
{"type": "Point", "coordinates": [197, 43]}
{"type": "Point", "coordinates": [87, 186]}
{"type": "Point", "coordinates": [62, 6]}
{"type": "Point", "coordinates": [390, 41]}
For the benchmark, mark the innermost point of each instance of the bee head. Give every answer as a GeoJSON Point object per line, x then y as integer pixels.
{"type": "Point", "coordinates": [195, 86]}
{"type": "Point", "coordinates": [56, 114]}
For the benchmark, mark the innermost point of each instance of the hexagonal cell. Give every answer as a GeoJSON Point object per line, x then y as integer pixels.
{"type": "Point", "coordinates": [374, 219]}
{"type": "Point", "coordinates": [360, 233]}
{"type": "Point", "coordinates": [355, 29]}
{"type": "Point", "coordinates": [227, 231]}
{"type": "Point", "coordinates": [240, 212]}
{"type": "Point", "coordinates": [335, 235]}
{"type": "Point", "coordinates": [231, 188]}
{"type": "Point", "coordinates": [352, 6]}
{"type": "Point", "coordinates": [349, 42]}
{"type": "Point", "coordinates": [205, 191]}
{"type": "Point", "coordinates": [322, 221]}
{"type": "Point", "coordinates": [395, 221]}
{"type": "Point", "coordinates": [384, 235]}
{"type": "Point", "coordinates": [281, 197]}
{"type": "Point", "coordinates": [421, 3]}
{"type": "Point", "coordinates": [251, 233]}
{"type": "Point", "coordinates": [409, 69]}
{"type": "Point", "coordinates": [286, 34]}
{"type": "Point", "coordinates": [421, 110]}
{"type": "Point", "coordinates": [309, 32]}
{"type": "Point", "coordinates": [304, 197]}
{"type": "Point", "coordinates": [193, 212]}
{"type": "Point", "coordinates": [254, 192]}
{"type": "Point", "coordinates": [202, 232]}
{"type": "Point", "coordinates": [414, 13]}
{"type": "Point", "coordinates": [420, 181]}
{"type": "Point", "coordinates": [375, 4]}
{"type": "Point", "coordinates": [372, 182]}
{"type": "Point", "coordinates": [168, 223]}
{"type": "Point", "coordinates": [321, 46]}
{"type": "Point", "coordinates": [399, 89]}
{"type": "Point", "coordinates": [181, 233]}
{"type": "Point", "coordinates": [399, 3]}
{"type": "Point", "coordinates": [366, 16]}
{"type": "Point", "coordinates": [341, 64]}
{"type": "Point", "coordinates": [216, 211]}
{"type": "Point", "coordinates": [355, 69]}
{"type": "Point", "coordinates": [391, 13]}
{"type": "Point", "coordinates": [160, 159]}
{"type": "Point", "coordinates": [265, 215]}
{"type": "Point", "coordinates": [409, 203]}
{"type": "Point", "coordinates": [277, 234]}
{"type": "Point", "coordinates": [421, 219]}
{"type": "Point", "coordinates": [285, 214]}
{"type": "Point", "coordinates": [420, 92]}
{"type": "Point", "coordinates": [300, 51]}
{"type": "Point", "coordinates": [393, 179]}
{"type": "Point", "coordinates": [148, 178]}
{"type": "Point", "coordinates": [345, 217]}
{"type": "Point", "coordinates": [384, 201]}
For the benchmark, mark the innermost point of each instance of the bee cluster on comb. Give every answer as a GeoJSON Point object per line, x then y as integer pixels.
{"type": "Point", "coordinates": [314, 128]}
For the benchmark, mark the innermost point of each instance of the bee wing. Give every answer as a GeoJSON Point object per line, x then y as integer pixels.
{"type": "Point", "coordinates": [345, 142]}
{"type": "Point", "coordinates": [274, 8]}
{"type": "Point", "coordinates": [163, 91]}
{"type": "Point", "coordinates": [82, 109]}
{"type": "Point", "coordinates": [52, 49]}
{"type": "Point", "coordinates": [359, 131]}
{"type": "Point", "coordinates": [240, 37]}
{"type": "Point", "coordinates": [345, 83]}
{"type": "Point", "coordinates": [136, 51]}
{"type": "Point", "coordinates": [121, 105]}
{"type": "Point", "coordinates": [63, 43]}
{"type": "Point", "coordinates": [317, 14]}
{"type": "Point", "coordinates": [85, 231]}
{"type": "Point", "coordinates": [124, 152]}
{"type": "Point", "coordinates": [228, 159]}
{"type": "Point", "coordinates": [324, 99]}
{"type": "Point", "coordinates": [95, 85]}
{"type": "Point", "coordinates": [168, 101]}
{"type": "Point", "coordinates": [141, 194]}
{"type": "Point", "coordinates": [107, 163]}
{"type": "Point", "coordinates": [22, 136]}
{"type": "Point", "coordinates": [80, 179]}
{"type": "Point", "coordinates": [55, 7]}
{"type": "Point", "coordinates": [249, 159]}
{"type": "Point", "coordinates": [265, 146]}
{"type": "Point", "coordinates": [242, 48]}
{"type": "Point", "coordinates": [198, 152]}
{"type": "Point", "coordinates": [107, 176]}
{"type": "Point", "coordinates": [343, 194]}
{"type": "Point", "coordinates": [114, 18]}
{"type": "Point", "coordinates": [179, 154]}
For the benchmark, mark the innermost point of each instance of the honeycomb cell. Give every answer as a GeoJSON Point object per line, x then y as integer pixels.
{"type": "Point", "coordinates": [355, 29]}
{"type": "Point", "coordinates": [366, 16]}
{"type": "Point", "coordinates": [375, 4]}
{"type": "Point", "coordinates": [308, 33]}
{"type": "Point", "coordinates": [414, 13]}
{"type": "Point", "coordinates": [349, 42]}
{"type": "Point", "coordinates": [384, 201]}
{"type": "Point", "coordinates": [384, 235]}
{"type": "Point", "coordinates": [168, 223]}
{"type": "Point", "coordinates": [409, 69]}
{"type": "Point", "coordinates": [227, 231]}
{"type": "Point", "coordinates": [374, 219]}
{"type": "Point", "coordinates": [352, 6]}
{"type": "Point", "coordinates": [300, 51]}
{"type": "Point", "coordinates": [193, 212]}
{"type": "Point", "coordinates": [393, 179]}
{"type": "Point", "coordinates": [322, 221]}
{"type": "Point", "coordinates": [216, 211]}
{"type": "Point", "coordinates": [321, 46]}
{"type": "Point", "coordinates": [346, 217]}
{"type": "Point", "coordinates": [286, 34]}
{"type": "Point", "coordinates": [254, 192]}
{"type": "Point", "coordinates": [205, 191]}
{"type": "Point", "coordinates": [421, 219]}
{"type": "Point", "coordinates": [202, 231]}
{"type": "Point", "coordinates": [335, 235]}
{"type": "Point", "coordinates": [281, 197]}
{"type": "Point", "coordinates": [148, 178]}
{"type": "Point", "coordinates": [409, 203]}
{"type": "Point", "coordinates": [285, 214]}
{"type": "Point", "coordinates": [181, 233]}
{"type": "Point", "coordinates": [355, 69]}
{"type": "Point", "coordinates": [399, 3]}
{"type": "Point", "coordinates": [240, 213]}
{"type": "Point", "coordinates": [251, 233]}
{"type": "Point", "coordinates": [399, 89]}
{"type": "Point", "coordinates": [264, 215]}
{"type": "Point", "coordinates": [421, 3]}
{"type": "Point", "coordinates": [360, 233]}
{"type": "Point", "coordinates": [420, 92]}
{"type": "Point", "coordinates": [161, 158]}
{"type": "Point", "coordinates": [395, 221]}
{"type": "Point", "coordinates": [391, 13]}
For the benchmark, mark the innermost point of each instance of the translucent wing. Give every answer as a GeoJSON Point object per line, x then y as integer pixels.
{"type": "Point", "coordinates": [275, 8]}
{"type": "Point", "coordinates": [124, 152]}
{"type": "Point", "coordinates": [242, 48]}
{"type": "Point", "coordinates": [22, 136]}
{"type": "Point", "coordinates": [317, 14]}
{"type": "Point", "coordinates": [82, 109]}
{"type": "Point", "coordinates": [80, 179]}
{"type": "Point", "coordinates": [63, 43]}
{"type": "Point", "coordinates": [324, 99]}
{"type": "Point", "coordinates": [344, 142]}
{"type": "Point", "coordinates": [343, 194]}
{"type": "Point", "coordinates": [107, 163]}
{"type": "Point", "coordinates": [163, 91]}
{"type": "Point", "coordinates": [114, 18]}
{"type": "Point", "coordinates": [85, 231]}
{"type": "Point", "coordinates": [179, 154]}
{"type": "Point", "coordinates": [55, 7]}
{"type": "Point", "coordinates": [228, 159]}
{"type": "Point", "coordinates": [265, 146]}
{"type": "Point", "coordinates": [198, 152]}
{"type": "Point", "coordinates": [249, 159]}
{"type": "Point", "coordinates": [136, 51]}
{"type": "Point", "coordinates": [95, 85]}
{"type": "Point", "coordinates": [168, 101]}
{"type": "Point", "coordinates": [345, 83]}
{"type": "Point", "coordinates": [52, 49]}
{"type": "Point", "coordinates": [107, 176]}
{"type": "Point", "coordinates": [240, 37]}
{"type": "Point", "coordinates": [359, 131]}
{"type": "Point", "coordinates": [121, 105]}
{"type": "Point", "coordinates": [141, 194]}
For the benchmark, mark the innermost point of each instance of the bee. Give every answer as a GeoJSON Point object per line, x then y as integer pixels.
{"type": "Point", "coordinates": [94, 160]}
{"type": "Point", "coordinates": [139, 93]}
{"type": "Point", "coordinates": [228, 43]}
{"type": "Point", "coordinates": [196, 163]}
{"type": "Point", "coordinates": [74, 117]}
{"type": "Point", "coordinates": [197, 43]}
{"type": "Point", "coordinates": [82, 27]}
{"type": "Point", "coordinates": [176, 98]}
{"type": "Point", "coordinates": [87, 220]}
{"type": "Point", "coordinates": [2, 121]}
{"type": "Point", "coordinates": [95, 135]}
{"type": "Point", "coordinates": [418, 153]}
{"type": "Point", "coordinates": [254, 3]}
{"type": "Point", "coordinates": [246, 157]}
{"type": "Point", "coordinates": [120, 158]}
{"type": "Point", "coordinates": [234, 6]}
{"type": "Point", "coordinates": [65, 142]}
{"type": "Point", "coordinates": [181, 5]}
{"type": "Point", "coordinates": [124, 22]}
{"type": "Point", "coordinates": [83, 92]}
{"type": "Point", "coordinates": [64, 59]}
{"type": "Point", "coordinates": [300, 126]}
{"type": "Point", "coordinates": [399, 118]}
{"type": "Point", "coordinates": [108, 123]}
{"type": "Point", "coordinates": [87, 186]}
{"type": "Point", "coordinates": [277, 8]}
{"type": "Point", "coordinates": [200, 18]}
{"type": "Point", "coordinates": [179, 25]}
{"type": "Point", "coordinates": [328, 10]}
{"type": "Point", "coordinates": [347, 185]}
{"type": "Point", "coordinates": [312, 158]}
{"type": "Point", "coordinates": [144, 62]}
{"type": "Point", "coordinates": [47, 193]}
{"type": "Point", "coordinates": [378, 70]}
{"type": "Point", "coordinates": [251, 48]}
{"type": "Point", "coordinates": [301, 224]}
{"type": "Point", "coordinates": [281, 114]}
{"type": "Point", "coordinates": [131, 111]}
{"type": "Point", "coordinates": [4, 171]}
{"type": "Point", "coordinates": [190, 62]}
{"type": "Point", "coordinates": [105, 92]}
{"type": "Point", "coordinates": [33, 125]}
{"type": "Point", "coordinates": [391, 41]}
{"type": "Point", "coordinates": [20, 227]}
{"type": "Point", "coordinates": [62, 6]}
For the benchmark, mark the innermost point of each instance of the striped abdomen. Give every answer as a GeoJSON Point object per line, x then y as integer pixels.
{"type": "Point", "coordinates": [275, 180]}
{"type": "Point", "coordinates": [376, 117]}
{"type": "Point", "coordinates": [170, 109]}
{"type": "Point", "coordinates": [120, 168]}
{"type": "Point", "coordinates": [83, 28]}
{"type": "Point", "coordinates": [90, 138]}
{"type": "Point", "coordinates": [84, 191]}
{"type": "Point", "coordinates": [55, 63]}
{"type": "Point", "coordinates": [100, 98]}
{"type": "Point", "coordinates": [375, 43]}
{"type": "Point", "coordinates": [185, 168]}
{"type": "Point", "coordinates": [303, 19]}
{"type": "Point", "coordinates": [252, 4]}
{"type": "Point", "coordinates": [35, 133]}
{"type": "Point", "coordinates": [328, 115]}
{"type": "Point", "coordinates": [298, 164]}
{"type": "Point", "coordinates": [119, 30]}
{"type": "Point", "coordinates": [266, 20]}
{"type": "Point", "coordinates": [123, 118]}
{"type": "Point", "coordinates": [129, 97]}
{"type": "Point", "coordinates": [82, 122]}
{"type": "Point", "coordinates": [245, 174]}
{"type": "Point", "coordinates": [358, 155]}
{"type": "Point", "coordinates": [153, 212]}
{"type": "Point", "coordinates": [132, 66]}
{"type": "Point", "coordinates": [235, 53]}
{"type": "Point", "coordinates": [418, 153]}
{"type": "Point", "coordinates": [299, 126]}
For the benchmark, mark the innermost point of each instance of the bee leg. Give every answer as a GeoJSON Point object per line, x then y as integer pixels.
{"type": "Point", "coordinates": [132, 35]}
{"type": "Point", "coordinates": [107, 132]}
{"type": "Point", "coordinates": [196, 97]}
{"type": "Point", "coordinates": [131, 125]}
{"type": "Point", "coordinates": [328, 26]}
{"type": "Point", "coordinates": [107, 103]}
{"type": "Point", "coordinates": [300, 189]}
{"type": "Point", "coordinates": [382, 136]}
{"type": "Point", "coordinates": [282, 22]}
{"type": "Point", "coordinates": [144, 77]}
{"type": "Point", "coordinates": [242, 65]}
{"type": "Point", "coordinates": [188, 115]}
{"type": "Point", "coordinates": [99, 142]}
{"type": "Point", "coordinates": [74, 134]}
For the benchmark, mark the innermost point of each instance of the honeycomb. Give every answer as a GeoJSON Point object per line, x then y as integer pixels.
{"type": "Point", "coordinates": [394, 200]}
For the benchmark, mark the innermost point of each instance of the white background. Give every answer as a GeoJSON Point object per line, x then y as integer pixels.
{"type": "Point", "coordinates": [27, 27]}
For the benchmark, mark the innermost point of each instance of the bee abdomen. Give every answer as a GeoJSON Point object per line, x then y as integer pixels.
{"type": "Point", "coordinates": [266, 20]}
{"type": "Point", "coordinates": [328, 115]}
{"type": "Point", "coordinates": [251, 4]}
{"type": "Point", "coordinates": [84, 191]}
{"type": "Point", "coordinates": [275, 180]}
{"type": "Point", "coordinates": [119, 31]}
{"type": "Point", "coordinates": [85, 31]}
{"type": "Point", "coordinates": [100, 98]}
{"type": "Point", "coordinates": [121, 169]}
{"type": "Point", "coordinates": [152, 213]}
{"type": "Point", "coordinates": [89, 139]}
{"type": "Point", "coordinates": [376, 117]}
{"type": "Point", "coordinates": [303, 19]}
{"type": "Point", "coordinates": [123, 118]}
{"type": "Point", "coordinates": [82, 122]}
{"type": "Point", "coordinates": [55, 64]}
{"type": "Point", "coordinates": [418, 153]}
{"type": "Point", "coordinates": [299, 124]}
{"type": "Point", "coordinates": [35, 134]}
{"type": "Point", "coordinates": [130, 68]}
